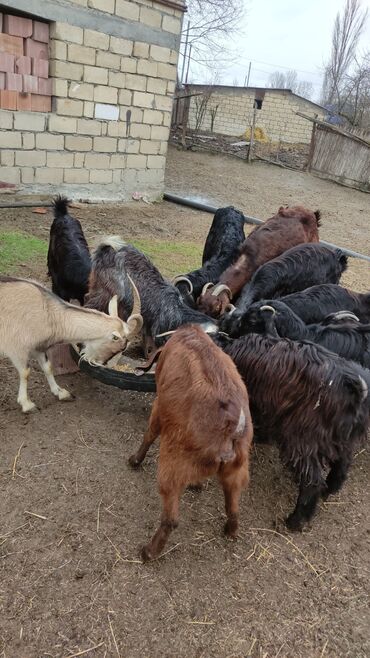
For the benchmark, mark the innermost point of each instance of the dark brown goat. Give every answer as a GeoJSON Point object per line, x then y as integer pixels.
{"type": "Point", "coordinates": [288, 228]}
{"type": "Point", "coordinates": [202, 414]}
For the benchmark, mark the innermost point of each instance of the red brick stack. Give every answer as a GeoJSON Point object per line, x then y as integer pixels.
{"type": "Point", "coordinates": [24, 64]}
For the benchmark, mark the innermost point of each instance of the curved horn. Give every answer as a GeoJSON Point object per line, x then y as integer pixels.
{"type": "Point", "coordinates": [136, 309]}
{"type": "Point", "coordinates": [113, 307]}
{"type": "Point", "coordinates": [184, 278]}
{"type": "Point", "coordinates": [134, 325]}
{"type": "Point", "coordinates": [221, 288]}
{"type": "Point", "coordinates": [205, 288]}
{"type": "Point", "coordinates": [345, 315]}
{"type": "Point", "coordinates": [364, 387]}
{"type": "Point", "coordinates": [166, 333]}
{"type": "Point", "coordinates": [135, 321]}
{"type": "Point", "coordinates": [266, 307]}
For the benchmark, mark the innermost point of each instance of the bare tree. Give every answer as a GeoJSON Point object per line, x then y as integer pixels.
{"type": "Point", "coordinates": [277, 80]}
{"type": "Point", "coordinates": [347, 30]}
{"type": "Point", "coordinates": [210, 24]}
{"type": "Point", "coordinates": [355, 94]}
{"type": "Point", "coordinates": [304, 88]}
{"type": "Point", "coordinates": [289, 80]}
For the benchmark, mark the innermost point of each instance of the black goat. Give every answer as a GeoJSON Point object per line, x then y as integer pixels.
{"type": "Point", "coordinates": [339, 332]}
{"type": "Point", "coordinates": [296, 269]}
{"type": "Point", "coordinates": [220, 250]}
{"type": "Point", "coordinates": [162, 307]}
{"type": "Point", "coordinates": [69, 262]}
{"type": "Point", "coordinates": [315, 303]}
{"type": "Point", "coordinates": [313, 404]}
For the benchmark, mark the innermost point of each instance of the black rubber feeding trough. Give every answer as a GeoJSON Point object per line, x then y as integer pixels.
{"type": "Point", "coordinates": [145, 383]}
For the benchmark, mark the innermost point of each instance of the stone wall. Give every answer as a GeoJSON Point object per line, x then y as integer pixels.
{"type": "Point", "coordinates": [113, 69]}
{"type": "Point", "coordinates": [277, 117]}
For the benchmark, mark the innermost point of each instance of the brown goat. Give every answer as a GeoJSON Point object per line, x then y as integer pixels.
{"type": "Point", "coordinates": [288, 228]}
{"type": "Point", "coordinates": [202, 414]}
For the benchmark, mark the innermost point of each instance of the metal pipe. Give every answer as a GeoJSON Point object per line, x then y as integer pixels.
{"type": "Point", "coordinates": [183, 201]}
{"type": "Point", "coordinates": [27, 204]}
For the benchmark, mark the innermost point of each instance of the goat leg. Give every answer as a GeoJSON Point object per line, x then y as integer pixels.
{"type": "Point", "coordinates": [233, 480]}
{"type": "Point", "coordinates": [169, 521]}
{"type": "Point", "coordinates": [24, 373]}
{"type": "Point", "coordinates": [307, 500]}
{"type": "Point", "coordinates": [45, 365]}
{"type": "Point", "coordinates": [149, 437]}
{"type": "Point", "coordinates": [336, 477]}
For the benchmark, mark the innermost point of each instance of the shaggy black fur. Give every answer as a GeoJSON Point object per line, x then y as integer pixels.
{"type": "Point", "coordinates": [220, 250]}
{"type": "Point", "coordinates": [161, 305]}
{"type": "Point", "coordinates": [315, 303]}
{"type": "Point", "coordinates": [69, 260]}
{"type": "Point", "coordinates": [348, 338]}
{"type": "Point", "coordinates": [311, 403]}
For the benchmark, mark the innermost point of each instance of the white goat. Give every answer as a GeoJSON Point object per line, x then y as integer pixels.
{"type": "Point", "coordinates": [33, 319]}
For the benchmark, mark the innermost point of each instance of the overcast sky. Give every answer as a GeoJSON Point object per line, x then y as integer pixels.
{"type": "Point", "coordinates": [286, 34]}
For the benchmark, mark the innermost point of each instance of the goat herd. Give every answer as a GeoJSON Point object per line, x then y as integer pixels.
{"type": "Point", "coordinates": [288, 363]}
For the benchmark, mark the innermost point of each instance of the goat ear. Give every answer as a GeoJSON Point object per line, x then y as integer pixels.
{"type": "Point", "coordinates": [113, 307]}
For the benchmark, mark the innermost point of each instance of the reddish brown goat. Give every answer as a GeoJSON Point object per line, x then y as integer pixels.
{"type": "Point", "coordinates": [288, 228]}
{"type": "Point", "coordinates": [202, 414]}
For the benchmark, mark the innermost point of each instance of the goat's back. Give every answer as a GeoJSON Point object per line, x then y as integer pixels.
{"type": "Point", "coordinates": [200, 390]}
{"type": "Point", "coordinates": [226, 233]}
{"type": "Point", "coordinates": [298, 390]}
{"type": "Point", "coordinates": [266, 242]}
{"type": "Point", "coordinates": [315, 303]}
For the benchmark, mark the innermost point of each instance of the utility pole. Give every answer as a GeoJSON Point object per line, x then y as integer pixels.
{"type": "Point", "coordinates": [251, 140]}
{"type": "Point", "coordinates": [185, 52]}
{"type": "Point", "coordinates": [188, 66]}
{"type": "Point", "coordinates": [246, 79]}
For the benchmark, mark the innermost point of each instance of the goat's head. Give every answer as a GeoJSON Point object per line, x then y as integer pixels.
{"type": "Point", "coordinates": [215, 299]}
{"type": "Point", "coordinates": [117, 334]}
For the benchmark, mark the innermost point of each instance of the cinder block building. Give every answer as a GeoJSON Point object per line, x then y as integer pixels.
{"type": "Point", "coordinates": [275, 117]}
{"type": "Point", "coordinates": [86, 92]}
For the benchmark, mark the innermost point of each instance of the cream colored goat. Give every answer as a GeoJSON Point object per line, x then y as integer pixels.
{"type": "Point", "coordinates": [32, 319]}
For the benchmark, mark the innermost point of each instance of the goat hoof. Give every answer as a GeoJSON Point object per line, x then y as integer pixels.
{"type": "Point", "coordinates": [65, 395]}
{"type": "Point", "coordinates": [294, 524]}
{"type": "Point", "coordinates": [133, 461]}
{"type": "Point", "coordinates": [146, 554]}
{"type": "Point", "coordinates": [230, 529]}
{"type": "Point", "coordinates": [29, 407]}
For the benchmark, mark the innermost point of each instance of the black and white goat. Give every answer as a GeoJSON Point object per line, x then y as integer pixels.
{"type": "Point", "coordinates": [296, 269]}
{"type": "Point", "coordinates": [220, 250]}
{"type": "Point", "coordinates": [340, 332]}
{"type": "Point", "coordinates": [162, 307]}
{"type": "Point", "coordinates": [69, 260]}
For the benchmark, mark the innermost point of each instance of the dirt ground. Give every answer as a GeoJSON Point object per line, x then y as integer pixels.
{"type": "Point", "coordinates": [73, 514]}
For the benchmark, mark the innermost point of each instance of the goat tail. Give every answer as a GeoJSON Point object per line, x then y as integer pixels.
{"type": "Point", "coordinates": [104, 253]}
{"type": "Point", "coordinates": [114, 241]}
{"type": "Point", "coordinates": [60, 205]}
{"type": "Point", "coordinates": [317, 214]}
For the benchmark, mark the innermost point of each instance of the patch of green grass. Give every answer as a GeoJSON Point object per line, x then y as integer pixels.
{"type": "Point", "coordinates": [172, 258]}
{"type": "Point", "coordinates": [17, 248]}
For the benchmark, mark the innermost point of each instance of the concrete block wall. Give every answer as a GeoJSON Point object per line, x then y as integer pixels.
{"type": "Point", "coordinates": [113, 69]}
{"type": "Point", "coordinates": [277, 117]}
